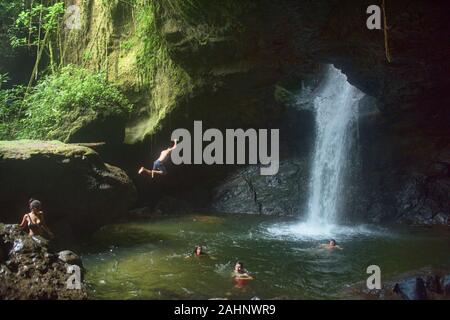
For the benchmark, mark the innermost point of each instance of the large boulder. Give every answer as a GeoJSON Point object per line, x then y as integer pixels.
{"type": "Point", "coordinates": [246, 191]}
{"type": "Point", "coordinates": [411, 289]}
{"type": "Point", "coordinates": [404, 172]}
{"type": "Point", "coordinates": [422, 284]}
{"type": "Point", "coordinates": [70, 258]}
{"type": "Point", "coordinates": [30, 270]}
{"type": "Point", "coordinates": [78, 191]}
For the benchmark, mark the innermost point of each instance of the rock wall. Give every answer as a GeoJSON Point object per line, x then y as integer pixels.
{"type": "Point", "coordinates": [404, 172]}
{"type": "Point", "coordinates": [29, 270]}
{"type": "Point", "coordinates": [78, 191]}
{"type": "Point", "coordinates": [232, 64]}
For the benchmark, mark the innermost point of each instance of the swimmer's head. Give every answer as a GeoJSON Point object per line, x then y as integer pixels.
{"type": "Point", "coordinates": [333, 243]}
{"type": "Point", "coordinates": [198, 250]}
{"type": "Point", "coordinates": [35, 205]}
{"type": "Point", "coordinates": [238, 267]}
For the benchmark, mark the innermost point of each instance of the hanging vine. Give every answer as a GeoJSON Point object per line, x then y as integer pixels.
{"type": "Point", "coordinates": [37, 25]}
{"type": "Point", "coordinates": [385, 28]}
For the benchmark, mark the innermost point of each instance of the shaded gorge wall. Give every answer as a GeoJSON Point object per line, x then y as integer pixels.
{"type": "Point", "coordinates": [254, 64]}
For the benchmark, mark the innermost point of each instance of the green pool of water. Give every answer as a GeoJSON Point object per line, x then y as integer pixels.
{"type": "Point", "coordinates": [147, 260]}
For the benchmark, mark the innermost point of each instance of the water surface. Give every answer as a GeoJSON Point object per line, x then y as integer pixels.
{"type": "Point", "coordinates": [147, 260]}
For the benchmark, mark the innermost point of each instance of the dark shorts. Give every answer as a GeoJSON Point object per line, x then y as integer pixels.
{"type": "Point", "coordinates": [158, 165]}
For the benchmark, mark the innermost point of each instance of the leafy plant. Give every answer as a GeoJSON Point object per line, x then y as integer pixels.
{"type": "Point", "coordinates": [11, 111]}
{"type": "Point", "coordinates": [38, 26]}
{"type": "Point", "coordinates": [66, 101]}
{"type": "Point", "coordinates": [4, 78]}
{"type": "Point", "coordinates": [152, 50]}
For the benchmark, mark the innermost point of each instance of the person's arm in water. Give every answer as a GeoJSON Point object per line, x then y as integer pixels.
{"type": "Point", "coordinates": [243, 275]}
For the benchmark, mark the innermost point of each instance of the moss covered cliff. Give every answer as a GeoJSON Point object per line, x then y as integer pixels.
{"type": "Point", "coordinates": [121, 38]}
{"type": "Point", "coordinates": [176, 54]}
{"type": "Point", "coordinates": [244, 63]}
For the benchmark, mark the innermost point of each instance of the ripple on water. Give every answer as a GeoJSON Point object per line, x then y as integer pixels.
{"type": "Point", "coordinates": [285, 260]}
{"type": "Point", "coordinates": [310, 232]}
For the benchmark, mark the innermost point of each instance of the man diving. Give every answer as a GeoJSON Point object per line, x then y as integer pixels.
{"type": "Point", "coordinates": [158, 165]}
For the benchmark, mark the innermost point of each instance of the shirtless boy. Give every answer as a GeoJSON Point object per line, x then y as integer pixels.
{"type": "Point", "coordinates": [158, 165]}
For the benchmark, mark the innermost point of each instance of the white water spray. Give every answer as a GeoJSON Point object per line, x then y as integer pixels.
{"type": "Point", "coordinates": [336, 107]}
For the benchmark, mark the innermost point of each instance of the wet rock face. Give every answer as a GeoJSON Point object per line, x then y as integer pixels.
{"type": "Point", "coordinates": [412, 289]}
{"type": "Point", "coordinates": [269, 40]}
{"type": "Point", "coordinates": [404, 168]}
{"type": "Point", "coordinates": [423, 284]}
{"type": "Point", "coordinates": [446, 285]}
{"type": "Point", "coordinates": [246, 191]}
{"type": "Point", "coordinates": [29, 270]}
{"type": "Point", "coordinates": [78, 191]}
{"type": "Point", "coordinates": [235, 65]}
{"type": "Point", "coordinates": [70, 258]}
{"type": "Point", "coordinates": [423, 287]}
{"type": "Point", "coordinates": [404, 172]}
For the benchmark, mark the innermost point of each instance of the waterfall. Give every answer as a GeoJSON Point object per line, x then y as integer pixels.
{"type": "Point", "coordinates": [336, 109]}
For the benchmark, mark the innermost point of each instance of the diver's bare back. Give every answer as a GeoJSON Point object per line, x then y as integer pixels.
{"type": "Point", "coordinates": [158, 166]}
{"type": "Point", "coordinates": [164, 154]}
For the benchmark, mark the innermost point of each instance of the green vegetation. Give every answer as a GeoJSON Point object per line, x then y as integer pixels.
{"type": "Point", "coordinates": [38, 27]}
{"type": "Point", "coordinates": [205, 20]}
{"type": "Point", "coordinates": [120, 41]}
{"type": "Point", "coordinates": [25, 149]}
{"type": "Point", "coordinates": [3, 79]}
{"type": "Point", "coordinates": [159, 80]}
{"type": "Point", "coordinates": [9, 11]}
{"type": "Point", "coordinates": [11, 111]}
{"type": "Point", "coordinates": [152, 52]}
{"type": "Point", "coordinates": [60, 104]}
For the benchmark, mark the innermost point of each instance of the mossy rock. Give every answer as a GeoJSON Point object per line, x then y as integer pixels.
{"type": "Point", "coordinates": [78, 190]}
{"type": "Point", "coordinates": [25, 149]}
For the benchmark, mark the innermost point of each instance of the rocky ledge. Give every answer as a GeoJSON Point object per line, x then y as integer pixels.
{"type": "Point", "coordinates": [79, 192]}
{"type": "Point", "coordinates": [422, 284]}
{"type": "Point", "coordinates": [246, 191]}
{"type": "Point", "coordinates": [29, 269]}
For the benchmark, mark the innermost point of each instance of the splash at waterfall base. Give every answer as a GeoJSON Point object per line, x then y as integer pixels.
{"type": "Point", "coordinates": [151, 263]}
{"type": "Point", "coordinates": [335, 107]}
{"type": "Point", "coordinates": [148, 258]}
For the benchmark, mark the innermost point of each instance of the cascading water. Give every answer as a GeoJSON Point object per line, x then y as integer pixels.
{"type": "Point", "coordinates": [335, 106]}
{"type": "Point", "coordinates": [336, 109]}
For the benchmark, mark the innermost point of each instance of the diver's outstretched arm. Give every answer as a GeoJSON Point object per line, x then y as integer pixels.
{"type": "Point", "coordinates": [174, 145]}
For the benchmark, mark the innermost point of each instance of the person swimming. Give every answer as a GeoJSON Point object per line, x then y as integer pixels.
{"type": "Point", "coordinates": [158, 165]}
{"type": "Point", "coordinates": [198, 251]}
{"type": "Point", "coordinates": [240, 272]}
{"type": "Point", "coordinates": [240, 275]}
{"type": "Point", "coordinates": [331, 245]}
{"type": "Point", "coordinates": [34, 221]}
